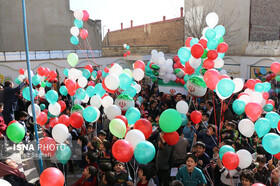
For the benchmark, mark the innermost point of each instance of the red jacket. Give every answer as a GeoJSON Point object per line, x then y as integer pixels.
{"type": "Point", "coordinates": [83, 182]}
{"type": "Point", "coordinates": [3, 126]}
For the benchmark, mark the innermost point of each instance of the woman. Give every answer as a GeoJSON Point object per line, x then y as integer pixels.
{"type": "Point", "coordinates": [9, 170]}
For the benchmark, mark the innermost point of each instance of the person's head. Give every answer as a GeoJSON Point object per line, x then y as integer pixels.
{"type": "Point", "coordinates": [102, 135]}
{"type": "Point", "coordinates": [230, 126]}
{"type": "Point", "coordinates": [176, 183]}
{"type": "Point", "coordinates": [82, 141]}
{"type": "Point", "coordinates": [209, 104]}
{"type": "Point", "coordinates": [105, 167]}
{"type": "Point", "coordinates": [200, 148]}
{"type": "Point", "coordinates": [260, 149]}
{"type": "Point", "coordinates": [90, 171]}
{"type": "Point", "coordinates": [119, 166]}
{"type": "Point", "coordinates": [168, 97]}
{"type": "Point", "coordinates": [109, 178]}
{"type": "Point", "coordinates": [226, 142]}
{"type": "Point", "coordinates": [191, 161]}
{"type": "Point", "coordinates": [10, 163]}
{"type": "Point", "coordinates": [275, 174]}
{"type": "Point", "coordinates": [247, 177]}
{"type": "Point", "coordinates": [261, 159]}
{"type": "Point", "coordinates": [205, 116]}
{"type": "Point", "coordinates": [91, 157]}
{"type": "Point", "coordinates": [144, 172]}
{"type": "Point", "coordinates": [90, 128]}
{"type": "Point", "coordinates": [8, 84]}
{"type": "Point", "coordinates": [153, 104]}
{"type": "Point", "coordinates": [151, 118]}
{"type": "Point", "coordinates": [105, 146]}
{"type": "Point", "coordinates": [23, 115]}
{"type": "Point", "coordinates": [178, 97]}
{"type": "Point", "coordinates": [1, 107]}
{"type": "Point", "coordinates": [211, 129]}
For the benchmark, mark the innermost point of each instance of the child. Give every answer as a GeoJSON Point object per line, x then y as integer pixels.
{"type": "Point", "coordinates": [22, 117]}
{"type": "Point", "coordinates": [145, 176]}
{"type": "Point", "coordinates": [229, 132]}
{"type": "Point", "coordinates": [104, 155]}
{"type": "Point", "coordinates": [3, 128]}
{"type": "Point", "coordinates": [108, 179]}
{"type": "Point", "coordinates": [88, 178]}
{"type": "Point", "coordinates": [90, 131]}
{"type": "Point", "coordinates": [261, 171]}
{"type": "Point", "coordinates": [246, 178]}
{"type": "Point", "coordinates": [190, 175]}
{"type": "Point", "coordinates": [121, 175]}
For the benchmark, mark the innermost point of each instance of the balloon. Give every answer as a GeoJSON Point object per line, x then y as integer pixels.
{"type": "Point", "coordinates": [76, 120]}
{"type": "Point", "coordinates": [42, 118]}
{"type": "Point", "coordinates": [132, 114]}
{"type": "Point", "coordinates": [262, 127]}
{"type": "Point", "coordinates": [125, 81]}
{"type": "Point", "coordinates": [90, 114]}
{"type": "Point", "coordinates": [55, 109]}
{"type": "Point", "coordinates": [95, 101]}
{"type": "Point", "coordinates": [78, 14]}
{"type": "Point", "coordinates": [239, 84]}
{"type": "Point", "coordinates": [222, 47]}
{"type": "Point", "coordinates": [250, 84]}
{"type": "Point", "coordinates": [86, 73]}
{"type": "Point", "coordinates": [171, 138]}
{"type": "Point", "coordinates": [99, 90]}
{"type": "Point", "coordinates": [144, 152]}
{"type": "Point", "coordinates": [74, 40]}
{"type": "Point", "coordinates": [225, 87]}
{"type": "Point", "coordinates": [82, 82]}
{"type": "Point", "coordinates": [138, 74]}
{"type": "Point", "coordinates": [53, 121]}
{"type": "Point", "coordinates": [212, 54]}
{"type": "Point", "coordinates": [258, 184]}
{"type": "Point", "coordinates": [47, 146]}
{"type": "Point", "coordinates": [211, 78]}
{"type": "Point", "coordinates": [275, 67]}
{"type": "Point", "coordinates": [187, 42]}
{"type": "Point", "coordinates": [112, 81]}
{"type": "Point", "coordinates": [184, 54]}
{"type": "Point", "coordinates": [218, 63]}
{"type": "Point", "coordinates": [113, 111]}
{"type": "Point", "coordinates": [271, 143]}
{"type": "Point", "coordinates": [78, 23]}
{"type": "Point", "coordinates": [26, 93]}
{"type": "Point", "coordinates": [64, 119]}
{"type": "Point", "coordinates": [139, 64]}
{"type": "Point", "coordinates": [52, 176]}
{"type": "Point", "coordinates": [246, 127]}
{"type": "Point", "coordinates": [245, 158]}
{"type": "Point", "coordinates": [238, 106]}
{"type": "Point", "coordinates": [72, 59]}
{"type": "Point", "coordinates": [63, 90]}
{"type": "Point", "coordinates": [52, 96]}
{"type": "Point", "coordinates": [259, 87]}
{"type": "Point", "coordinates": [63, 153]}
{"type": "Point", "coordinates": [196, 86]}
{"type": "Point", "coordinates": [117, 127]}
{"type": "Point", "coordinates": [4, 183]}
{"type": "Point", "coordinates": [212, 44]}
{"type": "Point", "coordinates": [134, 137]}
{"type": "Point", "coordinates": [60, 133]}
{"type": "Point", "coordinates": [62, 105]}
{"type": "Point", "coordinates": [212, 19]}
{"type": "Point", "coordinates": [36, 80]}
{"type": "Point", "coordinates": [210, 34]}
{"type": "Point", "coordinates": [270, 101]}
{"type": "Point", "coordinates": [224, 149]}
{"type": "Point", "coordinates": [74, 31]}
{"type": "Point", "coordinates": [268, 108]}
{"type": "Point", "coordinates": [256, 97]}
{"type": "Point", "coordinates": [230, 160]}
{"type": "Point", "coordinates": [144, 126]}
{"type": "Point", "coordinates": [267, 86]}
{"type": "Point", "coordinates": [107, 101]}
{"type": "Point", "coordinates": [81, 93]}
{"type": "Point", "coordinates": [273, 119]}
{"type": "Point", "coordinates": [122, 118]}
{"type": "Point", "coordinates": [85, 15]}
{"type": "Point", "coordinates": [197, 51]}
{"type": "Point", "coordinates": [253, 111]}
{"type": "Point", "coordinates": [122, 150]}
{"type": "Point", "coordinates": [83, 33]}
{"type": "Point", "coordinates": [208, 63]}
{"type": "Point", "coordinates": [130, 91]}
{"type": "Point", "coordinates": [182, 107]}
{"type": "Point", "coordinates": [170, 120]}
{"type": "Point", "coordinates": [90, 91]}
{"type": "Point", "coordinates": [15, 132]}
{"type": "Point", "coordinates": [37, 110]}
{"type": "Point", "coordinates": [196, 116]}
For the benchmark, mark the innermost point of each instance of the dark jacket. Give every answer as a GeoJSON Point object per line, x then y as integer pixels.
{"type": "Point", "coordinates": [10, 99]}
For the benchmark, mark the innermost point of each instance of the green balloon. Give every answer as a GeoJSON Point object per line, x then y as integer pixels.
{"type": "Point", "coordinates": [15, 132]}
{"type": "Point", "coordinates": [63, 153]}
{"type": "Point", "coordinates": [42, 107]}
{"type": "Point", "coordinates": [170, 120]}
{"type": "Point", "coordinates": [277, 78]}
{"type": "Point", "coordinates": [77, 108]}
{"type": "Point", "coordinates": [72, 59]}
{"type": "Point", "coordinates": [204, 55]}
{"type": "Point", "coordinates": [117, 128]}
{"type": "Point", "coordinates": [43, 84]}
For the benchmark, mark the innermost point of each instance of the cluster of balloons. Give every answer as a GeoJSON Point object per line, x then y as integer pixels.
{"type": "Point", "coordinates": [126, 47]}
{"type": "Point", "coordinates": [81, 16]}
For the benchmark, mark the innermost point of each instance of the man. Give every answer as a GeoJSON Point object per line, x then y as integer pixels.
{"type": "Point", "coordinates": [10, 100]}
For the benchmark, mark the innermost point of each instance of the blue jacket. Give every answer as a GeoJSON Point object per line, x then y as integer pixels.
{"type": "Point", "coordinates": [197, 177]}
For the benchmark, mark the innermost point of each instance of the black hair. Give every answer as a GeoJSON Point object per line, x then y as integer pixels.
{"type": "Point", "coordinates": [247, 174]}
{"type": "Point", "coordinates": [176, 183]}
{"type": "Point", "coordinates": [84, 140]}
{"type": "Point", "coordinates": [107, 145]}
{"type": "Point", "coordinates": [92, 170]}
{"type": "Point", "coordinates": [146, 171]}
{"type": "Point", "coordinates": [209, 103]}
{"type": "Point", "coordinates": [23, 114]}
{"type": "Point", "coordinates": [205, 114]}
{"type": "Point", "coordinates": [212, 126]}
{"type": "Point", "coordinates": [180, 131]}
{"type": "Point", "coordinates": [260, 149]}
{"type": "Point", "coordinates": [261, 158]}
{"type": "Point", "coordinates": [105, 167]}
{"type": "Point", "coordinates": [228, 142]}
{"type": "Point", "coordinates": [91, 125]}
{"type": "Point", "coordinates": [110, 178]}
{"type": "Point", "coordinates": [102, 132]}
{"type": "Point", "coordinates": [92, 157]}
{"type": "Point", "coordinates": [200, 143]}
{"type": "Point", "coordinates": [193, 156]}
{"type": "Point", "coordinates": [231, 124]}
{"type": "Point", "coordinates": [7, 83]}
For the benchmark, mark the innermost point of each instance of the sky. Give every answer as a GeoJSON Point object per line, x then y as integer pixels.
{"type": "Point", "coordinates": [114, 12]}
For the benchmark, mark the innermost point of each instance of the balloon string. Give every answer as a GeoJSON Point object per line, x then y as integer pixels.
{"type": "Point", "coordinates": [211, 135]}
{"type": "Point", "coordinates": [89, 45]}
{"type": "Point", "coordinates": [215, 114]}
{"type": "Point", "coordinates": [220, 129]}
{"type": "Point", "coordinates": [81, 48]}
{"type": "Point", "coordinates": [229, 100]}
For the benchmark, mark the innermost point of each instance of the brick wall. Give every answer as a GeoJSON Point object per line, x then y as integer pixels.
{"type": "Point", "coordinates": [169, 32]}
{"type": "Point", "coordinates": [265, 22]}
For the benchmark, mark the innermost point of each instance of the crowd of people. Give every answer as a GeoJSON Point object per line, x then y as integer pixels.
{"type": "Point", "coordinates": [194, 160]}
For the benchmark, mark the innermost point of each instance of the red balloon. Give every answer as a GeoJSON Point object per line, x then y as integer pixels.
{"type": "Point", "coordinates": [258, 81]}
{"type": "Point", "coordinates": [91, 83]}
{"type": "Point", "coordinates": [182, 81]}
{"type": "Point", "coordinates": [224, 76]}
{"type": "Point", "coordinates": [124, 55]}
{"type": "Point", "coordinates": [178, 64]}
{"type": "Point", "coordinates": [188, 69]}
{"type": "Point", "coordinates": [52, 176]}
{"type": "Point", "coordinates": [106, 69]}
{"type": "Point", "coordinates": [128, 53]}
{"type": "Point", "coordinates": [196, 116]}
{"type": "Point", "coordinates": [203, 42]}
{"type": "Point", "coordinates": [188, 42]}
{"type": "Point", "coordinates": [243, 93]}
{"type": "Point", "coordinates": [250, 84]}
{"type": "Point", "coordinates": [41, 71]}
{"type": "Point", "coordinates": [42, 118]}
{"type": "Point", "coordinates": [76, 120]}
{"type": "Point", "coordinates": [70, 85]}
{"type": "Point", "coordinates": [253, 110]}
{"type": "Point", "coordinates": [64, 119]}
{"type": "Point", "coordinates": [85, 15]}
{"type": "Point", "coordinates": [123, 118]}
{"type": "Point", "coordinates": [47, 71]}
{"type": "Point", "coordinates": [175, 59]}
{"type": "Point", "coordinates": [265, 95]}
{"type": "Point", "coordinates": [62, 105]}
{"type": "Point", "coordinates": [53, 122]}
{"type": "Point", "coordinates": [139, 64]}
{"type": "Point", "coordinates": [177, 80]}
{"type": "Point", "coordinates": [52, 74]}
{"type": "Point", "coordinates": [48, 146]}
{"type": "Point", "coordinates": [272, 75]}
{"type": "Point", "coordinates": [275, 67]}
{"type": "Point", "coordinates": [211, 78]}
{"type": "Point", "coordinates": [105, 88]}
{"type": "Point", "coordinates": [212, 54]}
{"type": "Point", "coordinates": [122, 150]}
{"type": "Point", "coordinates": [197, 51]}
{"type": "Point", "coordinates": [171, 138]}
{"type": "Point", "coordinates": [83, 33]}
{"type": "Point", "coordinates": [89, 67]}
{"type": "Point", "coordinates": [106, 94]}
{"type": "Point", "coordinates": [277, 155]}
{"type": "Point", "coordinates": [270, 101]}
{"type": "Point", "coordinates": [13, 121]}
{"type": "Point", "coordinates": [71, 92]}
{"type": "Point", "coordinates": [99, 73]}
{"type": "Point", "coordinates": [208, 63]}
{"type": "Point", "coordinates": [268, 78]}
{"type": "Point", "coordinates": [222, 47]}
{"type": "Point", "coordinates": [21, 71]}
{"type": "Point", "coordinates": [230, 160]}
{"type": "Point", "coordinates": [144, 126]}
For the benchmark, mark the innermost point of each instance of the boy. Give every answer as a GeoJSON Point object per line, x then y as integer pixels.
{"type": "Point", "coordinates": [229, 132]}
{"type": "Point", "coordinates": [121, 175]}
{"type": "Point", "coordinates": [261, 171]}
{"type": "Point", "coordinates": [190, 175]}
{"type": "Point", "coordinates": [22, 117]}
{"type": "Point", "coordinates": [246, 178]}
{"type": "Point", "coordinates": [3, 128]}
{"type": "Point", "coordinates": [203, 158]}
{"type": "Point", "coordinates": [90, 131]}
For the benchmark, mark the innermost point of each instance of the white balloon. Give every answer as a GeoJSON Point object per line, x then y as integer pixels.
{"type": "Point", "coordinates": [82, 82]}
{"type": "Point", "coordinates": [41, 93]}
{"type": "Point", "coordinates": [124, 46]}
{"type": "Point", "coordinates": [169, 62]}
{"type": "Point", "coordinates": [263, 103]}
{"type": "Point", "coordinates": [4, 183]}
{"type": "Point", "coordinates": [138, 74]}
{"type": "Point", "coordinates": [161, 61]}
{"type": "Point", "coordinates": [60, 133]}
{"type": "Point", "coordinates": [78, 14]}
{"type": "Point", "coordinates": [112, 81]}
{"type": "Point", "coordinates": [73, 74]}
{"type": "Point", "coordinates": [86, 99]}
{"type": "Point", "coordinates": [113, 111]}
{"type": "Point", "coordinates": [134, 137]}
{"type": "Point", "coordinates": [256, 97]}
{"type": "Point", "coordinates": [212, 19]}
{"type": "Point", "coordinates": [182, 107]}
{"type": "Point", "coordinates": [77, 102]}
{"type": "Point", "coordinates": [246, 127]}
{"type": "Point", "coordinates": [74, 31]}
{"type": "Point", "coordinates": [37, 110]}
{"type": "Point", "coordinates": [219, 63]}
{"type": "Point", "coordinates": [154, 52]}
{"type": "Point", "coordinates": [21, 77]}
{"type": "Point", "coordinates": [249, 91]}
{"type": "Point", "coordinates": [95, 101]}
{"type": "Point", "coordinates": [245, 158]}
{"type": "Point", "coordinates": [239, 84]}
{"type": "Point", "coordinates": [138, 88]}
{"type": "Point", "coordinates": [161, 54]}
{"type": "Point", "coordinates": [195, 63]}
{"type": "Point", "coordinates": [55, 109]}
{"type": "Point", "coordinates": [245, 98]}
{"type": "Point", "coordinates": [26, 74]}
{"type": "Point", "coordinates": [107, 101]}
{"type": "Point", "coordinates": [166, 80]}
{"type": "Point", "coordinates": [98, 114]}
{"type": "Point", "coordinates": [116, 69]}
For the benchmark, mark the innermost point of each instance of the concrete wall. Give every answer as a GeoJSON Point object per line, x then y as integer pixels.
{"type": "Point", "coordinates": [49, 24]}
{"type": "Point", "coordinates": [169, 32]}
